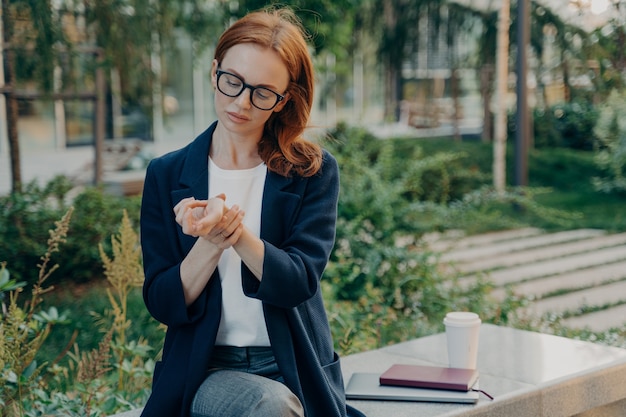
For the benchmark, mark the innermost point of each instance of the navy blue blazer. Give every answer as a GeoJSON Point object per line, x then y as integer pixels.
{"type": "Point", "coordinates": [298, 231]}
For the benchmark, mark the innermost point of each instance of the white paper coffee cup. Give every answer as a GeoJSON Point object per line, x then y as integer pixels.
{"type": "Point", "coordinates": [462, 331]}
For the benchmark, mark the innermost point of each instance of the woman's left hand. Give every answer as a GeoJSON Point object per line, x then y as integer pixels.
{"type": "Point", "coordinates": [228, 230]}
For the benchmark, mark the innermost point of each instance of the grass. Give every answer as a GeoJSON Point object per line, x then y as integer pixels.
{"type": "Point", "coordinates": [599, 211]}
{"type": "Point", "coordinates": [567, 172]}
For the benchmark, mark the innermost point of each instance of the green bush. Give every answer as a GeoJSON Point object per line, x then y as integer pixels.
{"type": "Point", "coordinates": [611, 155]}
{"type": "Point", "coordinates": [546, 133]}
{"type": "Point", "coordinates": [382, 284]}
{"type": "Point", "coordinates": [393, 191]}
{"type": "Point", "coordinates": [575, 123]}
{"type": "Point", "coordinates": [26, 217]}
{"type": "Point", "coordinates": [564, 125]}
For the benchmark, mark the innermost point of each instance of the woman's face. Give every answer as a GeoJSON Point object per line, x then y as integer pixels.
{"type": "Point", "coordinates": [258, 67]}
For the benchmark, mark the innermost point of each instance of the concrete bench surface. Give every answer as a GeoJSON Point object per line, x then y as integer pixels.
{"type": "Point", "coordinates": [529, 374]}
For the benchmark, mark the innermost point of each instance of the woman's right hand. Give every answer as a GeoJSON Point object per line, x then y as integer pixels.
{"type": "Point", "coordinates": [197, 217]}
{"type": "Point", "coordinates": [210, 219]}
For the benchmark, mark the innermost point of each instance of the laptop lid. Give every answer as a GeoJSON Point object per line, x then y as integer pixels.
{"type": "Point", "coordinates": [366, 386]}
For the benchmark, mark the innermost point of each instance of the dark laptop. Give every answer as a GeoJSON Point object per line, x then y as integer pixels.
{"type": "Point", "coordinates": [366, 386]}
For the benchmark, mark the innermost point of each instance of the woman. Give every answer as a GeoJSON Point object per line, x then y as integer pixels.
{"type": "Point", "coordinates": [236, 278]}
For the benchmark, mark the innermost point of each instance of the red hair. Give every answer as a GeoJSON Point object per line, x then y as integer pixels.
{"type": "Point", "coordinates": [282, 147]}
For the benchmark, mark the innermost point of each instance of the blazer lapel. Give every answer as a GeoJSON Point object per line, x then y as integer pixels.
{"type": "Point", "coordinates": [194, 177]}
{"type": "Point", "coordinates": [279, 205]}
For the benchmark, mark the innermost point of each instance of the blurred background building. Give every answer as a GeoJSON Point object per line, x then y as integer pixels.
{"type": "Point", "coordinates": [442, 81]}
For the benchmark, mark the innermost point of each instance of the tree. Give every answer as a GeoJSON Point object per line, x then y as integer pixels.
{"type": "Point", "coordinates": [135, 35]}
{"type": "Point", "coordinates": [611, 154]}
{"type": "Point", "coordinates": [564, 38]}
{"type": "Point", "coordinates": [398, 22]}
{"type": "Point", "coordinates": [329, 22]}
{"type": "Point", "coordinates": [127, 31]}
{"type": "Point", "coordinates": [29, 31]}
{"type": "Point", "coordinates": [609, 51]}
{"type": "Point", "coordinates": [457, 24]}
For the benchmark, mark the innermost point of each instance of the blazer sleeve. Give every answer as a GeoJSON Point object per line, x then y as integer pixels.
{"type": "Point", "coordinates": [162, 251]}
{"type": "Point", "coordinates": [295, 259]}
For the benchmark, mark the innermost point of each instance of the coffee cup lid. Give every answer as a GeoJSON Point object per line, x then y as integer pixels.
{"type": "Point", "coordinates": [461, 317]}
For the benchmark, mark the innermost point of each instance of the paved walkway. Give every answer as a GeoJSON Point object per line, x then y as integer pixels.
{"type": "Point", "coordinates": [41, 165]}
{"type": "Point", "coordinates": [578, 274]}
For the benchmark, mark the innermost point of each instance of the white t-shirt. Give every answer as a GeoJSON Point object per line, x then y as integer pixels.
{"type": "Point", "coordinates": [242, 322]}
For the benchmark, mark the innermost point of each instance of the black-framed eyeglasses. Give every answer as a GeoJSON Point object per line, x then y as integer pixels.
{"type": "Point", "coordinates": [232, 85]}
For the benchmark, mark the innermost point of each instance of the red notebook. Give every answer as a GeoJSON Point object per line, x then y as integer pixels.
{"type": "Point", "coordinates": [434, 377]}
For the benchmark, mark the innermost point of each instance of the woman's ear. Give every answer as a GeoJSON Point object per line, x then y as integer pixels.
{"type": "Point", "coordinates": [281, 104]}
{"type": "Point", "coordinates": [214, 65]}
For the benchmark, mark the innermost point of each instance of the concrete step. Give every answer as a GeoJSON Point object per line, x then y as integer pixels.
{"type": "Point", "coordinates": [599, 296]}
{"type": "Point", "coordinates": [600, 321]}
{"type": "Point", "coordinates": [549, 267]}
{"type": "Point", "coordinates": [561, 273]}
{"type": "Point", "coordinates": [575, 280]}
{"type": "Point", "coordinates": [494, 250]}
{"type": "Point", "coordinates": [454, 240]}
{"type": "Point", "coordinates": [553, 250]}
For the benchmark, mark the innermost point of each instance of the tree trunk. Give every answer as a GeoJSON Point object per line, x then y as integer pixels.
{"type": "Point", "coordinates": [393, 71]}
{"type": "Point", "coordinates": [567, 95]}
{"type": "Point", "coordinates": [502, 73]}
{"type": "Point", "coordinates": [14, 143]}
{"type": "Point", "coordinates": [391, 93]}
{"type": "Point", "coordinates": [454, 87]}
{"type": "Point", "coordinates": [11, 102]}
{"type": "Point", "coordinates": [485, 93]}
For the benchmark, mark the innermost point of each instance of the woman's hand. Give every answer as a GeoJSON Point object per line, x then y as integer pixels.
{"type": "Point", "coordinates": [198, 217]}
{"type": "Point", "coordinates": [210, 219]}
{"type": "Point", "coordinates": [228, 230]}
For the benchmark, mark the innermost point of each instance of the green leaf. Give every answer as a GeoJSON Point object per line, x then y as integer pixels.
{"type": "Point", "coordinates": [30, 370]}
{"type": "Point", "coordinates": [4, 276]}
{"type": "Point", "coordinates": [6, 283]}
{"type": "Point", "coordinates": [11, 377]}
{"type": "Point", "coordinates": [52, 316]}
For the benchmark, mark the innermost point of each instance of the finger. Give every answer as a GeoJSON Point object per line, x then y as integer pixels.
{"type": "Point", "coordinates": [196, 203]}
{"type": "Point", "coordinates": [238, 219]}
{"type": "Point", "coordinates": [180, 213]}
{"type": "Point", "coordinates": [233, 224]}
{"type": "Point", "coordinates": [182, 203]}
{"type": "Point", "coordinates": [210, 216]}
{"type": "Point", "coordinates": [234, 237]}
{"type": "Point", "coordinates": [186, 222]}
{"type": "Point", "coordinates": [230, 216]}
{"type": "Point", "coordinates": [214, 210]}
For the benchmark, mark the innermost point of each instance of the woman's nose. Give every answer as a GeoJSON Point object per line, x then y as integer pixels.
{"type": "Point", "coordinates": [244, 99]}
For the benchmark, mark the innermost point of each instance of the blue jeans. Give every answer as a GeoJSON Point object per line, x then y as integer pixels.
{"type": "Point", "coordinates": [244, 382]}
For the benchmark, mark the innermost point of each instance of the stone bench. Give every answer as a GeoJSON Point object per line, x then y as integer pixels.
{"type": "Point", "coordinates": [529, 374]}
{"type": "Point", "coordinates": [124, 183]}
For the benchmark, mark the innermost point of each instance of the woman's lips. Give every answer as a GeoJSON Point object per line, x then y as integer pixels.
{"type": "Point", "coordinates": [237, 118]}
